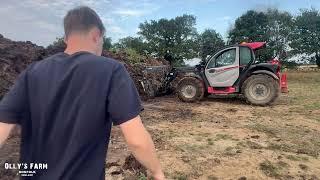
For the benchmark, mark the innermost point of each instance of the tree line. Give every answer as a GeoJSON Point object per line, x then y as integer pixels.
{"type": "Point", "coordinates": [177, 39]}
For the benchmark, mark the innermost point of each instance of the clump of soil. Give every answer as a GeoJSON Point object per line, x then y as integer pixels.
{"type": "Point", "coordinates": [133, 165]}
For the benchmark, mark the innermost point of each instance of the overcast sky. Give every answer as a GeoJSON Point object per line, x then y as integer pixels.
{"type": "Point", "coordinates": [40, 21]}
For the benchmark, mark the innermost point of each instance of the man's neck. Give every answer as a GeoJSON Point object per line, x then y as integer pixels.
{"type": "Point", "coordinates": [73, 50]}
{"type": "Point", "coordinates": [78, 44]}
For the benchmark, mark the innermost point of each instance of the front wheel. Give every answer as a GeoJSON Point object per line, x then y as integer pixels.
{"type": "Point", "coordinates": [261, 89]}
{"type": "Point", "coordinates": [190, 89]}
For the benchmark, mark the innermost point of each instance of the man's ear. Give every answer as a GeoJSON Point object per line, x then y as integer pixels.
{"type": "Point", "coordinates": [95, 34]}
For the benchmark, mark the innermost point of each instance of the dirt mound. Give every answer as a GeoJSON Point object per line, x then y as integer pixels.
{"type": "Point", "coordinates": [16, 56]}
{"type": "Point", "coordinates": [138, 70]}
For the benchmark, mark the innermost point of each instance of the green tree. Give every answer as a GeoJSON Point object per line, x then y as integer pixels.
{"type": "Point", "coordinates": [57, 46]}
{"type": "Point", "coordinates": [107, 43]}
{"type": "Point", "coordinates": [210, 42]}
{"type": "Point", "coordinates": [279, 28]}
{"type": "Point", "coordinates": [251, 26]}
{"type": "Point", "coordinates": [306, 35]}
{"type": "Point", "coordinates": [58, 42]}
{"type": "Point", "coordinates": [176, 37]}
{"type": "Point", "coordinates": [135, 43]}
{"type": "Point", "coordinates": [272, 26]}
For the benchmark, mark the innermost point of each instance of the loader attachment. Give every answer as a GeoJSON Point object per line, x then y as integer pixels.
{"type": "Point", "coordinates": [155, 80]}
{"type": "Point", "coordinates": [147, 88]}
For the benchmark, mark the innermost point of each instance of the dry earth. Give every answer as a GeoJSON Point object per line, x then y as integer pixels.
{"type": "Point", "coordinates": [224, 138]}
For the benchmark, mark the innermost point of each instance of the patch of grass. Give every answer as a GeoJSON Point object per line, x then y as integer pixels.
{"type": "Point", "coordinates": [142, 177]}
{"type": "Point", "coordinates": [296, 148]}
{"type": "Point", "coordinates": [311, 151]}
{"type": "Point", "coordinates": [271, 132]}
{"type": "Point", "coordinates": [303, 167]}
{"type": "Point", "coordinates": [211, 177]}
{"type": "Point", "coordinates": [312, 106]}
{"type": "Point", "coordinates": [283, 164]}
{"type": "Point", "coordinates": [210, 141]}
{"type": "Point", "coordinates": [270, 169]}
{"type": "Point", "coordinates": [180, 176]}
{"type": "Point", "coordinates": [294, 139]}
{"type": "Point", "coordinates": [304, 100]}
{"type": "Point", "coordinates": [241, 144]}
{"type": "Point", "coordinates": [296, 158]}
{"type": "Point", "coordinates": [253, 145]}
{"type": "Point", "coordinates": [204, 134]}
{"type": "Point", "coordinates": [242, 178]}
{"type": "Point", "coordinates": [229, 151]}
{"type": "Point", "coordinates": [280, 147]}
{"type": "Point", "coordinates": [223, 137]}
{"type": "Point", "coordinates": [194, 148]}
{"type": "Point", "coordinates": [171, 133]}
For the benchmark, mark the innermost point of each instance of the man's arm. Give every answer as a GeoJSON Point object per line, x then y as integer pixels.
{"type": "Point", "coordinates": [141, 144]}
{"type": "Point", "coordinates": [5, 130]}
{"type": "Point", "coordinates": [13, 106]}
{"type": "Point", "coordinates": [124, 106]}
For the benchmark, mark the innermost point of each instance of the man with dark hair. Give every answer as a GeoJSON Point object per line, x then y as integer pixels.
{"type": "Point", "coordinates": [67, 103]}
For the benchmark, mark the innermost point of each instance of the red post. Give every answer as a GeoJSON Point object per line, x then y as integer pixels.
{"type": "Point", "coordinates": [284, 83]}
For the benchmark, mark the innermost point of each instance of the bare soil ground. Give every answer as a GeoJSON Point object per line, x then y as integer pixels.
{"type": "Point", "coordinates": [225, 138]}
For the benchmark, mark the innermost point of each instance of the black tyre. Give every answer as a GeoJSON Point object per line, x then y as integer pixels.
{"type": "Point", "coordinates": [190, 89]}
{"type": "Point", "coordinates": [261, 89]}
{"type": "Point", "coordinates": [206, 94]}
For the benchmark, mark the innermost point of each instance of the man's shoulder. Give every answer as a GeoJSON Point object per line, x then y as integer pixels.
{"type": "Point", "coordinates": [42, 63]}
{"type": "Point", "coordinates": [104, 60]}
{"type": "Point", "coordinates": [47, 60]}
{"type": "Point", "coordinates": [80, 59]}
{"type": "Point", "coordinates": [101, 61]}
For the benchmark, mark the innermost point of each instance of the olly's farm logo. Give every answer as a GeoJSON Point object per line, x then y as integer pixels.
{"type": "Point", "coordinates": [26, 169]}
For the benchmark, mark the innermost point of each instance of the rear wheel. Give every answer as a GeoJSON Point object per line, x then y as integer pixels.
{"type": "Point", "coordinates": [190, 89]}
{"type": "Point", "coordinates": [261, 89]}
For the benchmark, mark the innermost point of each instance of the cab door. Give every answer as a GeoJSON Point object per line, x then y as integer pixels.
{"type": "Point", "coordinates": [223, 69]}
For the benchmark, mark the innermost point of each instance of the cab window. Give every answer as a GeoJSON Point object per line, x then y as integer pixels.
{"type": "Point", "coordinates": [245, 56]}
{"type": "Point", "coordinates": [226, 58]}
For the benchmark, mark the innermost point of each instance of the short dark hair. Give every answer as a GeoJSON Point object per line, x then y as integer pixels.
{"type": "Point", "coordinates": [82, 19]}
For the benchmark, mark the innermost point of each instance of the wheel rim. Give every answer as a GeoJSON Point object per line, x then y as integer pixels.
{"type": "Point", "coordinates": [189, 91]}
{"type": "Point", "coordinates": [259, 91]}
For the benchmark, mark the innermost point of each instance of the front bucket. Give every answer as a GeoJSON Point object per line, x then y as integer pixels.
{"type": "Point", "coordinates": [147, 88]}
{"type": "Point", "coordinates": [284, 83]}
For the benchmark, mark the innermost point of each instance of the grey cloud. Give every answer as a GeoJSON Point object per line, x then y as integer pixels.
{"type": "Point", "coordinates": [40, 21]}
